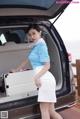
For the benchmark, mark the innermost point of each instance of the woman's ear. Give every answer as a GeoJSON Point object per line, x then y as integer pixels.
{"type": "Point", "coordinates": [41, 33]}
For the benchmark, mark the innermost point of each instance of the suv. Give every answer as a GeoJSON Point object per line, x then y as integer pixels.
{"type": "Point", "coordinates": [18, 95]}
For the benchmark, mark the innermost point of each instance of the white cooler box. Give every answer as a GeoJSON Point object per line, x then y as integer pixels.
{"type": "Point", "coordinates": [20, 83]}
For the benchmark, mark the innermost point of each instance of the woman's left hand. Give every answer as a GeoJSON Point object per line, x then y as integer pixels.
{"type": "Point", "coordinates": [37, 82]}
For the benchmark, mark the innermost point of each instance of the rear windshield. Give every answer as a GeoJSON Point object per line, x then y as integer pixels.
{"type": "Point", "coordinates": [43, 4]}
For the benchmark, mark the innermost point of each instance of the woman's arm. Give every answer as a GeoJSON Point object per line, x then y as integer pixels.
{"type": "Point", "coordinates": [21, 66]}
{"type": "Point", "coordinates": [36, 78]}
{"type": "Point", "coordinates": [45, 68]}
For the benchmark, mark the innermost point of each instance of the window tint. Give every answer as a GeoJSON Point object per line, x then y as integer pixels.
{"type": "Point", "coordinates": [45, 4]}
{"type": "Point", "coordinates": [15, 35]}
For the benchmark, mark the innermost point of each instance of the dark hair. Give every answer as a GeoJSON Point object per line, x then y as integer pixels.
{"type": "Point", "coordinates": [34, 26]}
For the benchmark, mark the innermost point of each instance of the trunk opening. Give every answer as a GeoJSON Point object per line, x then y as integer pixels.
{"type": "Point", "coordinates": [14, 51]}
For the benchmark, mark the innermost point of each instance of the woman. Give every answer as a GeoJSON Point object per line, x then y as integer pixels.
{"type": "Point", "coordinates": [44, 80]}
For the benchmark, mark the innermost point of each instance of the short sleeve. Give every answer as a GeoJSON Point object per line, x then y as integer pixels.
{"type": "Point", "coordinates": [43, 53]}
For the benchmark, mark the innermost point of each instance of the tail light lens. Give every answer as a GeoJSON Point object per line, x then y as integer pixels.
{"type": "Point", "coordinates": [70, 57]}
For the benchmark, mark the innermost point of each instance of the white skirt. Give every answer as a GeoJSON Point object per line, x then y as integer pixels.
{"type": "Point", "coordinates": [47, 91]}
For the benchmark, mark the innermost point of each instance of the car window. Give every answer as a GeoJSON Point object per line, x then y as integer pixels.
{"type": "Point", "coordinates": [17, 36]}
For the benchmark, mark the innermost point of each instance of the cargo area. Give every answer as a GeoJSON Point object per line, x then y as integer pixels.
{"type": "Point", "coordinates": [12, 53]}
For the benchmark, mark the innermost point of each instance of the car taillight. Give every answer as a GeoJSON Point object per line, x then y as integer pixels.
{"type": "Point", "coordinates": [70, 57]}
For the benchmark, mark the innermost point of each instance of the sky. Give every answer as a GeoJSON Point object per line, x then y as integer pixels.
{"type": "Point", "coordinates": [68, 25]}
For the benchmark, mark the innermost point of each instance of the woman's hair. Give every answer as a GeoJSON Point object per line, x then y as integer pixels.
{"type": "Point", "coordinates": [34, 26]}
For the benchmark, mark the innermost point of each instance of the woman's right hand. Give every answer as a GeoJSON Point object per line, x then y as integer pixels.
{"type": "Point", "coordinates": [16, 70]}
{"type": "Point", "coordinates": [12, 71]}
{"type": "Point", "coordinates": [20, 67]}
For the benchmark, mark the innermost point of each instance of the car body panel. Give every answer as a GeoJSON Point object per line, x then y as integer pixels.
{"type": "Point", "coordinates": [25, 8]}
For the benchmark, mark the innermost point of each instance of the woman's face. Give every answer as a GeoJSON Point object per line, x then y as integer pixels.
{"type": "Point", "coordinates": [34, 35]}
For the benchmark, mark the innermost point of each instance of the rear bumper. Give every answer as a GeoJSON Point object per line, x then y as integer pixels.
{"type": "Point", "coordinates": [66, 100]}
{"type": "Point", "coordinates": [32, 110]}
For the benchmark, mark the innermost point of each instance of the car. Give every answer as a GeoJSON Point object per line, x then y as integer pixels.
{"type": "Point", "coordinates": [18, 95]}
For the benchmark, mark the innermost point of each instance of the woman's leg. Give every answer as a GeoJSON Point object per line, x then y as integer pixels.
{"type": "Point", "coordinates": [53, 113]}
{"type": "Point", "coordinates": [44, 108]}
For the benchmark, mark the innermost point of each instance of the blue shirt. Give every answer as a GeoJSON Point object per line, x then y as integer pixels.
{"type": "Point", "coordinates": [39, 54]}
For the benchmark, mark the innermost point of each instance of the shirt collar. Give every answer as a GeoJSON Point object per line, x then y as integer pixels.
{"type": "Point", "coordinates": [39, 41]}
